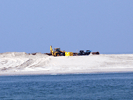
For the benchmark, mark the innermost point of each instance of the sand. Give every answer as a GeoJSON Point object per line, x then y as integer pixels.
{"type": "Point", "coordinates": [20, 63]}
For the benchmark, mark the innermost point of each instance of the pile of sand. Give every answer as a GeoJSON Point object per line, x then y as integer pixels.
{"type": "Point", "coordinates": [22, 63]}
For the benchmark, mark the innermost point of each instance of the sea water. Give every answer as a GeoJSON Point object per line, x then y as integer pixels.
{"type": "Point", "coordinates": [113, 86]}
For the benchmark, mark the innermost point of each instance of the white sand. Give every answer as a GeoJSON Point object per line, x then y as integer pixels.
{"type": "Point", "coordinates": [20, 63]}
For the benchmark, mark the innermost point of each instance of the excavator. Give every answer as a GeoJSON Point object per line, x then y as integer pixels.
{"type": "Point", "coordinates": [57, 52]}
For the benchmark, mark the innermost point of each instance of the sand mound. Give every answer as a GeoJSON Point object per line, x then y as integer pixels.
{"type": "Point", "coordinates": [21, 62]}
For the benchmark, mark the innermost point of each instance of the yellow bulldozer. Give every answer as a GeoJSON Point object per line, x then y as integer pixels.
{"type": "Point", "coordinates": [57, 52]}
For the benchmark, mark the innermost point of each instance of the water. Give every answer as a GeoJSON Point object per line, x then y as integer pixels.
{"type": "Point", "coordinates": [115, 86]}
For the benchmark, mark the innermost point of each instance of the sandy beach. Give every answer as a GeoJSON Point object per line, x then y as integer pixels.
{"type": "Point", "coordinates": [20, 63]}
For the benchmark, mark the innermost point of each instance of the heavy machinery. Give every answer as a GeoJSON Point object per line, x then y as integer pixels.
{"type": "Point", "coordinates": [81, 52]}
{"type": "Point", "coordinates": [87, 52]}
{"type": "Point", "coordinates": [57, 52]}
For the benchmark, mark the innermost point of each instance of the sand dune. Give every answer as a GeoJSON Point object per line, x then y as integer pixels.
{"type": "Point", "coordinates": [21, 63]}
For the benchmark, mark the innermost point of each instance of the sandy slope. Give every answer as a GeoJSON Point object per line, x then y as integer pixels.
{"type": "Point", "coordinates": [22, 63]}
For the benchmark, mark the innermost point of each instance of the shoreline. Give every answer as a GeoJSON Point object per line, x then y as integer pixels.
{"type": "Point", "coordinates": [66, 73]}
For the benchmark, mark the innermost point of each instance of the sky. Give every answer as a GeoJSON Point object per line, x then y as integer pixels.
{"type": "Point", "coordinates": [98, 25]}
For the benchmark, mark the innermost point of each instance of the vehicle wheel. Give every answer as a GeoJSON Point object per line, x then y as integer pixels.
{"type": "Point", "coordinates": [57, 54]}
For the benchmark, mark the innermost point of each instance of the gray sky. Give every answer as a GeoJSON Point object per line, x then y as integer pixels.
{"type": "Point", "coordinates": [98, 25]}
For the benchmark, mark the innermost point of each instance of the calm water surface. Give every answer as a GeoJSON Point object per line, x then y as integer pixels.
{"type": "Point", "coordinates": [115, 86]}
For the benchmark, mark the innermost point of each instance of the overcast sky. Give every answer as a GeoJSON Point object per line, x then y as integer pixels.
{"type": "Point", "coordinates": [98, 25]}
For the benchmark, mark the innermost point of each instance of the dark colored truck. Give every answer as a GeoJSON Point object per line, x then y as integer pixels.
{"type": "Point", "coordinates": [81, 52]}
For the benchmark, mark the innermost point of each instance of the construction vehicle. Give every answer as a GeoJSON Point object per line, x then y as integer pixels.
{"type": "Point", "coordinates": [87, 52]}
{"type": "Point", "coordinates": [57, 52]}
{"type": "Point", "coordinates": [81, 52]}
